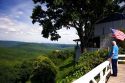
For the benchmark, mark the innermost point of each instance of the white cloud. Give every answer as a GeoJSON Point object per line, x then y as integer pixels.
{"type": "Point", "coordinates": [6, 21]}
{"type": "Point", "coordinates": [8, 24]}
{"type": "Point", "coordinates": [21, 31]}
{"type": "Point", "coordinates": [13, 28]}
{"type": "Point", "coordinates": [20, 12]}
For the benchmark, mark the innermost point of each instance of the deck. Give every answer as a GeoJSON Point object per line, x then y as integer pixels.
{"type": "Point", "coordinates": [103, 71]}
{"type": "Point", "coordinates": [121, 75]}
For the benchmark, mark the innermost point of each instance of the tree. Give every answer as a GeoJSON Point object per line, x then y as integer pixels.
{"type": "Point", "coordinates": [44, 70]}
{"type": "Point", "coordinates": [23, 71]}
{"type": "Point", "coordinates": [38, 70]}
{"type": "Point", "coordinates": [78, 14]}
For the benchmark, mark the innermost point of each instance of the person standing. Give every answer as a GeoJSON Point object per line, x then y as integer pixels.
{"type": "Point", "coordinates": [114, 58]}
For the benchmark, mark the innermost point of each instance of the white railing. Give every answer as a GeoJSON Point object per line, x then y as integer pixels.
{"type": "Point", "coordinates": [102, 70]}
{"type": "Point", "coordinates": [121, 56]}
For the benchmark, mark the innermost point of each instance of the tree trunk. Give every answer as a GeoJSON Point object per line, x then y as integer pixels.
{"type": "Point", "coordinates": [80, 34]}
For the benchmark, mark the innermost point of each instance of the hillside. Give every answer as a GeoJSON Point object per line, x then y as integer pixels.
{"type": "Point", "coordinates": [34, 45]}
{"type": "Point", "coordinates": [13, 50]}
{"type": "Point", "coordinates": [9, 43]}
{"type": "Point", "coordinates": [15, 54]}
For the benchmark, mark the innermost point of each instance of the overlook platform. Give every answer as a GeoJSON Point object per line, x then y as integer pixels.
{"type": "Point", "coordinates": [101, 73]}
{"type": "Point", "coordinates": [121, 75]}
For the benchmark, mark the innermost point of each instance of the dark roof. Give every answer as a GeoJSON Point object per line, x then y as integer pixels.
{"type": "Point", "coordinates": [76, 40]}
{"type": "Point", "coordinates": [112, 17]}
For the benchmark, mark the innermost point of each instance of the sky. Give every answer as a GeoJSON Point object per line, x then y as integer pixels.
{"type": "Point", "coordinates": [16, 24]}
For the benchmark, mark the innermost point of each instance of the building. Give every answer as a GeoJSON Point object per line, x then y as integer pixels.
{"type": "Point", "coordinates": [102, 29]}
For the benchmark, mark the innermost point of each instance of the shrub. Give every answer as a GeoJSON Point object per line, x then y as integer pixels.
{"type": "Point", "coordinates": [121, 50]}
{"type": "Point", "coordinates": [7, 74]}
{"type": "Point", "coordinates": [44, 71]}
{"type": "Point", "coordinates": [87, 62]}
{"type": "Point", "coordinates": [38, 70]}
{"type": "Point", "coordinates": [23, 71]}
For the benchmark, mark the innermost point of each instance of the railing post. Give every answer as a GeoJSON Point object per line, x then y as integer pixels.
{"type": "Point", "coordinates": [94, 81]}
{"type": "Point", "coordinates": [101, 74]}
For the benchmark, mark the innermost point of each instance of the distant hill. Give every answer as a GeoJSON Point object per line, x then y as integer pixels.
{"type": "Point", "coordinates": [9, 43]}
{"type": "Point", "coordinates": [13, 53]}
{"type": "Point", "coordinates": [34, 45]}
{"type": "Point", "coordinates": [14, 50]}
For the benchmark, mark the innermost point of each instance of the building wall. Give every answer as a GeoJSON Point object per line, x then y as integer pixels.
{"type": "Point", "coordinates": [105, 28]}
{"type": "Point", "coordinates": [105, 41]}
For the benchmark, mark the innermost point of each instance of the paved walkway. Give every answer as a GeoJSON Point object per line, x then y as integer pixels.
{"type": "Point", "coordinates": [121, 75]}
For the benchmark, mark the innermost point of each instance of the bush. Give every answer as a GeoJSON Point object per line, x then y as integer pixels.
{"type": "Point", "coordinates": [121, 50]}
{"type": "Point", "coordinates": [23, 71]}
{"type": "Point", "coordinates": [38, 70]}
{"type": "Point", "coordinates": [87, 62]}
{"type": "Point", "coordinates": [7, 74]}
{"type": "Point", "coordinates": [60, 56]}
{"type": "Point", "coordinates": [44, 71]}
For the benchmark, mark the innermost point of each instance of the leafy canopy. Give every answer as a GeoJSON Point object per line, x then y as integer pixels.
{"type": "Point", "coordinates": [70, 13]}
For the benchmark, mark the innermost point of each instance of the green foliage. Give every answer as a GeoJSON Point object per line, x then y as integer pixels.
{"type": "Point", "coordinates": [121, 50]}
{"type": "Point", "coordinates": [44, 71]}
{"type": "Point", "coordinates": [87, 62]}
{"type": "Point", "coordinates": [60, 56]}
{"type": "Point", "coordinates": [16, 59]}
{"type": "Point", "coordinates": [7, 74]}
{"type": "Point", "coordinates": [19, 64]}
{"type": "Point", "coordinates": [38, 70]}
{"type": "Point", "coordinates": [79, 14]}
{"type": "Point", "coordinates": [23, 71]}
